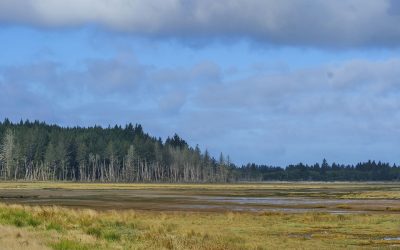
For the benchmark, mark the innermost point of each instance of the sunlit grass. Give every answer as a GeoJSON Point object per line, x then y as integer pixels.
{"type": "Point", "coordinates": [340, 190]}
{"type": "Point", "coordinates": [62, 228]}
{"type": "Point", "coordinates": [374, 195]}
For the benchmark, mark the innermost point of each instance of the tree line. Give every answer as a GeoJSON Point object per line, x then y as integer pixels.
{"type": "Point", "coordinates": [366, 171]}
{"type": "Point", "coordinates": [36, 151]}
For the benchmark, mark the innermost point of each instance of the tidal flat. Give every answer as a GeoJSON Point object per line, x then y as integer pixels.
{"type": "Point", "coordinates": [275, 215]}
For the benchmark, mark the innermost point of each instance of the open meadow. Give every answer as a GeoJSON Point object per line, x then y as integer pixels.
{"type": "Point", "coordinates": [45, 215]}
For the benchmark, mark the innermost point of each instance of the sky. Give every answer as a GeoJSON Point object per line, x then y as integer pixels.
{"type": "Point", "coordinates": [270, 82]}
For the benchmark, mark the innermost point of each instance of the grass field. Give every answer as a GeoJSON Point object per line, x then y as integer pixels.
{"type": "Point", "coordinates": [40, 225]}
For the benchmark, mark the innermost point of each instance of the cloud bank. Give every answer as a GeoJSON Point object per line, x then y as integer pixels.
{"type": "Point", "coordinates": [309, 23]}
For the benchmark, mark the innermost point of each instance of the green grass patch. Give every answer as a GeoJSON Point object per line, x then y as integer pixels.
{"type": "Point", "coordinates": [94, 231]}
{"type": "Point", "coordinates": [66, 244]}
{"type": "Point", "coordinates": [54, 226]}
{"type": "Point", "coordinates": [112, 235]}
{"type": "Point", "coordinates": [18, 218]}
{"type": "Point", "coordinates": [106, 232]}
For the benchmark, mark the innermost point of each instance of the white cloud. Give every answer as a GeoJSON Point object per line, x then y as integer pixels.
{"type": "Point", "coordinates": [328, 23]}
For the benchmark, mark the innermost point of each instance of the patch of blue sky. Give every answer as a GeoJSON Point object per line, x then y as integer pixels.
{"type": "Point", "coordinates": [22, 45]}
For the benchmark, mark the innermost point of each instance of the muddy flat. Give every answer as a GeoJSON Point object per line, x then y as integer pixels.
{"type": "Point", "coordinates": [285, 197]}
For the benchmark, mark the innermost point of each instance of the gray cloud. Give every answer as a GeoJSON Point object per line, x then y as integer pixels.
{"type": "Point", "coordinates": [345, 111]}
{"type": "Point", "coordinates": [326, 86]}
{"type": "Point", "coordinates": [120, 83]}
{"type": "Point", "coordinates": [328, 23]}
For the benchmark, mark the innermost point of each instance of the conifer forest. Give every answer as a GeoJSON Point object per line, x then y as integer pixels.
{"type": "Point", "coordinates": [36, 151]}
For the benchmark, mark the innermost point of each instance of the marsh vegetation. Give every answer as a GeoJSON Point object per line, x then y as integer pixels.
{"type": "Point", "coordinates": [62, 228]}
{"type": "Point", "coordinates": [169, 216]}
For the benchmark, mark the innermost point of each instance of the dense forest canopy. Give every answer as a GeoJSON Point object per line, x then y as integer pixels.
{"type": "Point", "coordinates": [38, 151]}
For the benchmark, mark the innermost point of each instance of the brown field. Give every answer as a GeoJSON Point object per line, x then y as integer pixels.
{"type": "Point", "coordinates": [288, 197]}
{"type": "Point", "coordinates": [199, 216]}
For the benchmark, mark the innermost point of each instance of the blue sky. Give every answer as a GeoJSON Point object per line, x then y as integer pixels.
{"type": "Point", "coordinates": [273, 82]}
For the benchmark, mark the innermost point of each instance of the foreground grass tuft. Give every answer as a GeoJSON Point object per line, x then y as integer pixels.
{"type": "Point", "coordinates": [66, 244]}
{"type": "Point", "coordinates": [18, 218]}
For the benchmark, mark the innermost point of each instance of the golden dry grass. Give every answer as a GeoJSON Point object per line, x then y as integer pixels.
{"type": "Point", "coordinates": [63, 228]}
{"type": "Point", "coordinates": [13, 238]}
